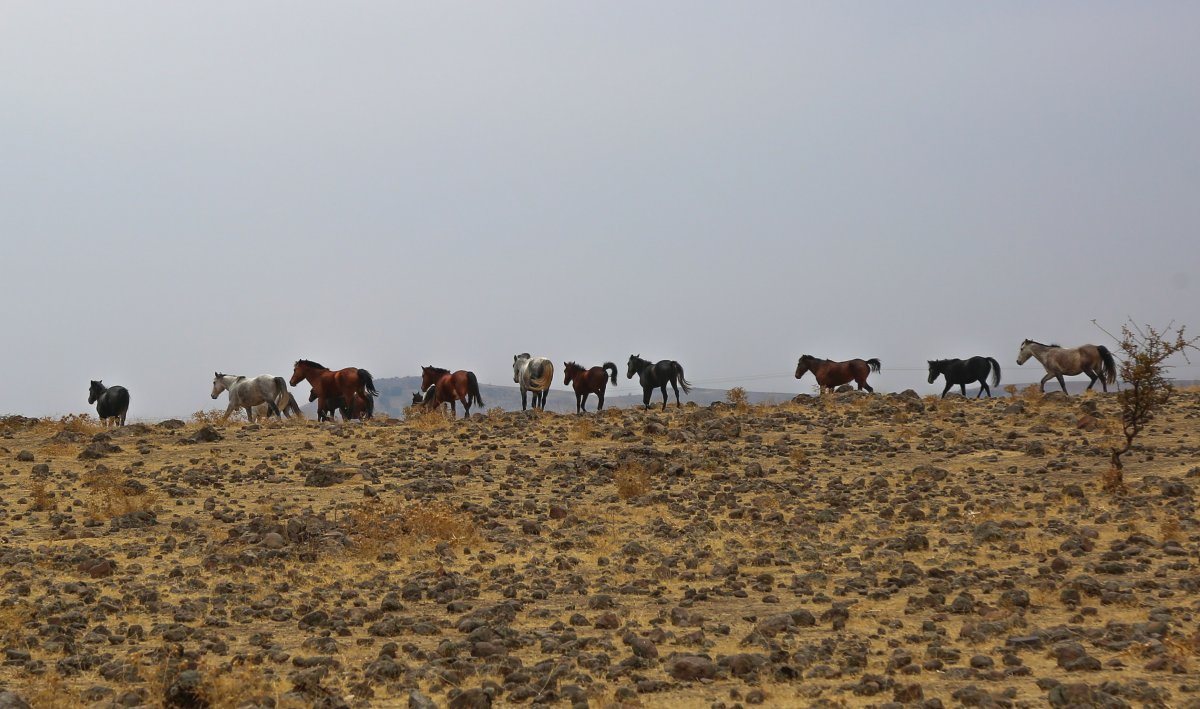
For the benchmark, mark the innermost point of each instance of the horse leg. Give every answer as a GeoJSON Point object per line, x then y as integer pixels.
{"type": "Point", "coordinates": [250, 414]}
{"type": "Point", "coordinates": [523, 395]}
{"type": "Point", "coordinates": [947, 389]}
{"type": "Point", "coordinates": [862, 384]}
{"type": "Point", "coordinates": [453, 411]}
{"type": "Point", "coordinates": [646, 393]}
{"type": "Point", "coordinates": [1062, 383]}
{"type": "Point", "coordinates": [600, 401]}
{"type": "Point", "coordinates": [581, 403]}
{"type": "Point", "coordinates": [1045, 379]}
{"type": "Point", "coordinates": [984, 387]}
{"type": "Point", "coordinates": [664, 393]}
{"type": "Point", "coordinates": [962, 387]}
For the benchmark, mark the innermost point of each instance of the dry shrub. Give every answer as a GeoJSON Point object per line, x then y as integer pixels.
{"type": "Point", "coordinates": [800, 458]}
{"type": "Point", "coordinates": [111, 497]}
{"type": "Point", "coordinates": [79, 423]}
{"type": "Point", "coordinates": [51, 691]}
{"type": "Point", "coordinates": [43, 499]}
{"type": "Point", "coordinates": [1032, 396]}
{"type": "Point", "coordinates": [583, 429]}
{"type": "Point", "coordinates": [1169, 529]}
{"type": "Point", "coordinates": [424, 419]}
{"type": "Point", "coordinates": [737, 397]}
{"type": "Point", "coordinates": [212, 416]}
{"type": "Point", "coordinates": [12, 621]}
{"type": "Point", "coordinates": [229, 687]}
{"type": "Point", "coordinates": [374, 527]}
{"type": "Point", "coordinates": [632, 479]}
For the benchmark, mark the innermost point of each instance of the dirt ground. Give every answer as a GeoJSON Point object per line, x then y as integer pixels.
{"type": "Point", "coordinates": [848, 550]}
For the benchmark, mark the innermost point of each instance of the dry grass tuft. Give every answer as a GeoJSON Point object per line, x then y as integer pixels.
{"type": "Point", "coordinates": [424, 419]}
{"type": "Point", "coordinates": [582, 429]}
{"type": "Point", "coordinates": [229, 687]}
{"type": "Point", "coordinates": [51, 691]}
{"type": "Point", "coordinates": [374, 527]}
{"type": "Point", "coordinates": [1170, 529]}
{"type": "Point", "coordinates": [632, 479]}
{"type": "Point", "coordinates": [12, 620]}
{"type": "Point", "coordinates": [111, 497]}
{"type": "Point", "coordinates": [212, 416]}
{"type": "Point", "coordinates": [737, 397]}
{"type": "Point", "coordinates": [43, 499]}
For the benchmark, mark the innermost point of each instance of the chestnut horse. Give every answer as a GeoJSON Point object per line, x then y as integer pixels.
{"type": "Point", "coordinates": [364, 405]}
{"type": "Point", "coordinates": [589, 381]}
{"type": "Point", "coordinates": [329, 385]}
{"type": "Point", "coordinates": [832, 374]}
{"type": "Point", "coordinates": [440, 386]}
{"type": "Point", "coordinates": [1093, 360]}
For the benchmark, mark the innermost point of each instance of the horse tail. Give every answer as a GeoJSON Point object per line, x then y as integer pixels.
{"type": "Point", "coordinates": [612, 369]}
{"type": "Point", "coordinates": [281, 393]}
{"type": "Point", "coordinates": [473, 390]}
{"type": "Point", "coordinates": [874, 364]}
{"type": "Point", "coordinates": [995, 371]}
{"type": "Point", "coordinates": [368, 382]}
{"type": "Point", "coordinates": [683, 383]}
{"type": "Point", "coordinates": [1108, 366]}
{"type": "Point", "coordinates": [543, 382]}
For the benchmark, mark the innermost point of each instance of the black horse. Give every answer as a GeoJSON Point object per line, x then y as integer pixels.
{"type": "Point", "coordinates": [657, 376]}
{"type": "Point", "coordinates": [111, 402]}
{"type": "Point", "coordinates": [964, 371]}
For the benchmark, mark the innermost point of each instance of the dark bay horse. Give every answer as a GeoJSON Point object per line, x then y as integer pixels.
{"type": "Point", "coordinates": [832, 374]}
{"type": "Point", "coordinates": [964, 371]}
{"type": "Point", "coordinates": [365, 406]}
{"type": "Point", "coordinates": [440, 386]}
{"type": "Point", "coordinates": [589, 381]}
{"type": "Point", "coordinates": [328, 384]}
{"type": "Point", "coordinates": [658, 376]}
{"type": "Point", "coordinates": [1093, 360]}
{"type": "Point", "coordinates": [111, 402]}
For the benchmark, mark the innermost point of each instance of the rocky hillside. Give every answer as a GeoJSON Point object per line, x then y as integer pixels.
{"type": "Point", "coordinates": [848, 550]}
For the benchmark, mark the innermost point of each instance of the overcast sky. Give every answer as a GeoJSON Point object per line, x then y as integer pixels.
{"type": "Point", "coordinates": [187, 187]}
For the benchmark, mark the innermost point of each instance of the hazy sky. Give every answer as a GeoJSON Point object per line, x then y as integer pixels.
{"type": "Point", "coordinates": [233, 185]}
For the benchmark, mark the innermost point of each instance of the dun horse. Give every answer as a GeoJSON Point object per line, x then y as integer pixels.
{"type": "Point", "coordinates": [963, 372]}
{"type": "Point", "coordinates": [589, 381]}
{"type": "Point", "coordinates": [534, 374]}
{"type": "Point", "coordinates": [329, 384]}
{"type": "Point", "coordinates": [830, 374]}
{"type": "Point", "coordinates": [440, 386]}
{"type": "Point", "coordinates": [111, 402]}
{"type": "Point", "coordinates": [1093, 360]}
{"type": "Point", "coordinates": [658, 376]}
{"type": "Point", "coordinates": [246, 393]}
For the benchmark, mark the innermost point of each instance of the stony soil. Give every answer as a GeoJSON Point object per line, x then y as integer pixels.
{"type": "Point", "coordinates": [853, 550]}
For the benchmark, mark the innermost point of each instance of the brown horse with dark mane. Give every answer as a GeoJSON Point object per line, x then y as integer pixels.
{"type": "Point", "coordinates": [832, 374]}
{"type": "Point", "coordinates": [589, 381]}
{"type": "Point", "coordinates": [328, 385]}
{"type": "Point", "coordinates": [441, 386]}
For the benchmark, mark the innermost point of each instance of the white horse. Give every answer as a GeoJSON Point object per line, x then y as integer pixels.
{"type": "Point", "coordinates": [1093, 360]}
{"type": "Point", "coordinates": [246, 393]}
{"type": "Point", "coordinates": [534, 374]}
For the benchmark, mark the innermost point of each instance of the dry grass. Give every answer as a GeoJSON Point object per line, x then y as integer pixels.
{"type": "Point", "coordinates": [111, 497]}
{"type": "Point", "coordinates": [582, 429]}
{"type": "Point", "coordinates": [423, 419]}
{"type": "Point", "coordinates": [42, 499]}
{"type": "Point", "coordinates": [12, 621]}
{"type": "Point", "coordinates": [375, 527]}
{"type": "Point", "coordinates": [229, 687]}
{"type": "Point", "coordinates": [632, 479]}
{"type": "Point", "coordinates": [737, 397]}
{"type": "Point", "coordinates": [52, 692]}
{"type": "Point", "coordinates": [212, 416]}
{"type": "Point", "coordinates": [1170, 529]}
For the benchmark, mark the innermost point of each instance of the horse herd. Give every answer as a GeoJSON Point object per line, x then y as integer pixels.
{"type": "Point", "coordinates": [351, 391]}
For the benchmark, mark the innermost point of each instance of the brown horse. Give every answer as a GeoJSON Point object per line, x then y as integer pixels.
{"type": "Point", "coordinates": [329, 385]}
{"type": "Point", "coordinates": [459, 386]}
{"type": "Point", "coordinates": [589, 381]}
{"type": "Point", "coordinates": [1093, 360]}
{"type": "Point", "coordinates": [832, 374]}
{"type": "Point", "coordinates": [365, 406]}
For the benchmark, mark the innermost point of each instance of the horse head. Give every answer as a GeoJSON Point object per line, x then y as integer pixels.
{"type": "Point", "coordinates": [218, 384]}
{"type": "Point", "coordinates": [1026, 351]}
{"type": "Point", "coordinates": [634, 362]}
{"type": "Point", "coordinates": [94, 392]}
{"type": "Point", "coordinates": [802, 365]}
{"type": "Point", "coordinates": [519, 362]}
{"type": "Point", "coordinates": [934, 370]}
{"type": "Point", "coordinates": [570, 369]}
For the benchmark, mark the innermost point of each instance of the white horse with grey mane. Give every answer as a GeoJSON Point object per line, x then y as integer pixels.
{"type": "Point", "coordinates": [246, 393]}
{"type": "Point", "coordinates": [534, 374]}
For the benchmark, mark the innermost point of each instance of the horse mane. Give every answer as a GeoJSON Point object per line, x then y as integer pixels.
{"type": "Point", "coordinates": [569, 365]}
{"type": "Point", "coordinates": [1043, 344]}
{"type": "Point", "coordinates": [311, 363]}
{"type": "Point", "coordinates": [437, 370]}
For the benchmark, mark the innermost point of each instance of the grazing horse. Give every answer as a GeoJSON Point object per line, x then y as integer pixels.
{"type": "Point", "coordinates": [329, 384]}
{"type": "Point", "coordinates": [1093, 360]}
{"type": "Point", "coordinates": [657, 376]}
{"type": "Point", "coordinates": [246, 393]}
{"type": "Point", "coordinates": [440, 386]}
{"type": "Point", "coordinates": [364, 405]}
{"type": "Point", "coordinates": [589, 381]}
{"type": "Point", "coordinates": [111, 402]}
{"type": "Point", "coordinates": [832, 374]}
{"type": "Point", "coordinates": [964, 371]}
{"type": "Point", "coordinates": [534, 374]}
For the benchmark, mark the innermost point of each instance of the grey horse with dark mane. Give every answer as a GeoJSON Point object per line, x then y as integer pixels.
{"type": "Point", "coordinates": [1093, 360]}
{"type": "Point", "coordinates": [247, 393]}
